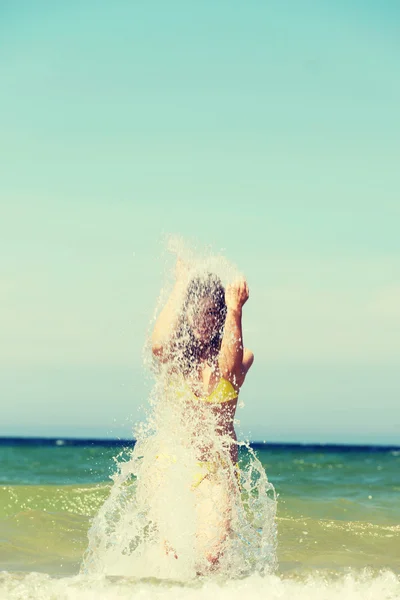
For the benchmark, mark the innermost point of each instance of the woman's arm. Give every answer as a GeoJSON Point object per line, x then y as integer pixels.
{"type": "Point", "coordinates": [167, 319]}
{"type": "Point", "coordinates": [234, 361]}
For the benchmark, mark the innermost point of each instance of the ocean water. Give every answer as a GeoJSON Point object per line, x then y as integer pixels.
{"type": "Point", "coordinates": [338, 524]}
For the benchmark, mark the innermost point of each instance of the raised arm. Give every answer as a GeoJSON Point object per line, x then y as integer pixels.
{"type": "Point", "coordinates": [234, 360]}
{"type": "Point", "coordinates": [168, 317]}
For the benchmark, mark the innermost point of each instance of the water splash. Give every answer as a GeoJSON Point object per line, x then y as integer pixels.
{"type": "Point", "coordinates": [183, 505]}
{"type": "Point", "coordinates": [350, 586]}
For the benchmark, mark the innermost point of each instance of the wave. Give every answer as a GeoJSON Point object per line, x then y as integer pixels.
{"type": "Point", "coordinates": [362, 585]}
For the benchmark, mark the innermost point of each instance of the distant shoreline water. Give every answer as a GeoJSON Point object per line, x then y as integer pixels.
{"type": "Point", "coordinates": [338, 516]}
{"type": "Point", "coordinates": [120, 442]}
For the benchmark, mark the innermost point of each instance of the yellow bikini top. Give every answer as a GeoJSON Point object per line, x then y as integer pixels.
{"type": "Point", "coordinates": [223, 392]}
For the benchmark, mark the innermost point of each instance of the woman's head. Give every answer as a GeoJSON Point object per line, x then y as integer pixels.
{"type": "Point", "coordinates": [202, 319]}
{"type": "Point", "coordinates": [204, 307]}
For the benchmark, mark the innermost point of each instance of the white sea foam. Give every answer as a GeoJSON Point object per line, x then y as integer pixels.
{"type": "Point", "coordinates": [361, 586]}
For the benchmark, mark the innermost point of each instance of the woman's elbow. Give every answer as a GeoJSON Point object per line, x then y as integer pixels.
{"type": "Point", "coordinates": [160, 351]}
{"type": "Point", "coordinates": [248, 359]}
{"type": "Point", "coordinates": [157, 349]}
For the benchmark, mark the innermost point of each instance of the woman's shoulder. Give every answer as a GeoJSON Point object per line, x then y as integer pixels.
{"type": "Point", "coordinates": [237, 378]}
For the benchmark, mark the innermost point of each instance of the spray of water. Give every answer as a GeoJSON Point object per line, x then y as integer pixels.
{"type": "Point", "coordinates": [191, 500]}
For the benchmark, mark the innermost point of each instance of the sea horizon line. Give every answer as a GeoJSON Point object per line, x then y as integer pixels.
{"type": "Point", "coordinates": [257, 444]}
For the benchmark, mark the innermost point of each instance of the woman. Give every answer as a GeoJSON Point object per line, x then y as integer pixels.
{"type": "Point", "coordinates": [200, 342]}
{"type": "Point", "coordinates": [179, 506]}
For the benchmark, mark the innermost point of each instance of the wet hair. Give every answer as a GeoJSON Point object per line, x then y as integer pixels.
{"type": "Point", "coordinates": [188, 349]}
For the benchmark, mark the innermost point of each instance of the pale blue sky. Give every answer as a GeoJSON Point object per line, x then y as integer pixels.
{"type": "Point", "coordinates": [268, 129]}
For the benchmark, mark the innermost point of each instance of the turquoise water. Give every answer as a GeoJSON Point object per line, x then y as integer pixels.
{"type": "Point", "coordinates": [338, 513]}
